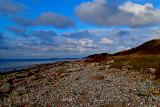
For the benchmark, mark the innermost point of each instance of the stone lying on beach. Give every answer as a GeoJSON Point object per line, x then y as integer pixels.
{"type": "Point", "coordinates": [59, 74]}
{"type": "Point", "coordinates": [74, 69]}
{"type": "Point", "coordinates": [6, 87]}
{"type": "Point", "coordinates": [94, 64]}
{"type": "Point", "coordinates": [111, 61]}
{"type": "Point", "coordinates": [152, 70]}
{"type": "Point", "coordinates": [116, 104]}
{"type": "Point", "coordinates": [21, 90]}
{"type": "Point", "coordinates": [104, 67]}
{"type": "Point", "coordinates": [152, 77]}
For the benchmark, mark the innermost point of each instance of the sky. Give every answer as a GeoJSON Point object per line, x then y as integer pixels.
{"type": "Point", "coordinates": [75, 28]}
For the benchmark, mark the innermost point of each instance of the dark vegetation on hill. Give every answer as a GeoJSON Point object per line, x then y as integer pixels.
{"type": "Point", "coordinates": [97, 57]}
{"type": "Point", "coordinates": [148, 48]}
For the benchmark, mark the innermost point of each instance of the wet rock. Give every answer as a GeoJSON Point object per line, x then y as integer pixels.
{"type": "Point", "coordinates": [6, 87]}
{"type": "Point", "coordinates": [21, 90]}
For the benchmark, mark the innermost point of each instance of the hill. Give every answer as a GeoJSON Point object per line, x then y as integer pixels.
{"type": "Point", "coordinates": [148, 48]}
{"type": "Point", "coordinates": [97, 57]}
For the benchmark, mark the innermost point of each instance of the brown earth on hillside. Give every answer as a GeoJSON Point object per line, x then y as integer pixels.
{"type": "Point", "coordinates": [151, 47]}
{"type": "Point", "coordinates": [148, 48]}
{"type": "Point", "coordinates": [97, 57]}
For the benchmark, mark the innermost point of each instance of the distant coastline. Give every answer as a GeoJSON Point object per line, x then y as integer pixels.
{"type": "Point", "coordinates": [9, 65]}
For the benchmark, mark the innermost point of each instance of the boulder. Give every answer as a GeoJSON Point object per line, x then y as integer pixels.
{"type": "Point", "coordinates": [117, 104]}
{"type": "Point", "coordinates": [6, 87]}
{"type": "Point", "coordinates": [107, 66]}
{"type": "Point", "coordinates": [152, 77]}
{"type": "Point", "coordinates": [21, 90]}
{"type": "Point", "coordinates": [74, 69]}
{"type": "Point", "coordinates": [152, 70]}
{"type": "Point", "coordinates": [111, 61]}
{"type": "Point", "coordinates": [94, 64]}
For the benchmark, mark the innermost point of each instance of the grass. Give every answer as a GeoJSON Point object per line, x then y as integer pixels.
{"type": "Point", "coordinates": [138, 62]}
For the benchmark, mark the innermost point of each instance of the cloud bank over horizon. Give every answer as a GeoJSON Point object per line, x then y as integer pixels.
{"type": "Point", "coordinates": [44, 30]}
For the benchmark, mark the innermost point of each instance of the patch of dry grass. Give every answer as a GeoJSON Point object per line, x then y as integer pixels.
{"type": "Point", "coordinates": [137, 61]}
{"type": "Point", "coordinates": [97, 77]}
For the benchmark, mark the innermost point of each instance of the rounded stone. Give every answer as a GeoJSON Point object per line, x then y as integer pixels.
{"type": "Point", "coordinates": [6, 87]}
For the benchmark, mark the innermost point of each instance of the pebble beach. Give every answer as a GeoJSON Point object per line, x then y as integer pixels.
{"type": "Point", "coordinates": [78, 84]}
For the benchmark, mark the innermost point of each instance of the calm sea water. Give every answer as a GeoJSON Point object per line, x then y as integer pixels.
{"type": "Point", "coordinates": [10, 64]}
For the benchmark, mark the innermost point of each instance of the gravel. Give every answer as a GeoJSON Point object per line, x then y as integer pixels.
{"type": "Point", "coordinates": [80, 84]}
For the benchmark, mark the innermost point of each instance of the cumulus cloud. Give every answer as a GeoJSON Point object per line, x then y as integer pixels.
{"type": "Point", "coordinates": [86, 43]}
{"type": "Point", "coordinates": [53, 19]}
{"type": "Point", "coordinates": [10, 7]}
{"type": "Point", "coordinates": [49, 43]}
{"type": "Point", "coordinates": [111, 40]}
{"type": "Point", "coordinates": [46, 19]}
{"type": "Point", "coordinates": [106, 41]}
{"type": "Point", "coordinates": [80, 45]}
{"type": "Point", "coordinates": [100, 13]}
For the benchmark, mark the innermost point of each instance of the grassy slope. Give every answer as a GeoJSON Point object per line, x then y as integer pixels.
{"type": "Point", "coordinates": [137, 61]}
{"type": "Point", "coordinates": [140, 58]}
{"type": "Point", "coordinates": [148, 48]}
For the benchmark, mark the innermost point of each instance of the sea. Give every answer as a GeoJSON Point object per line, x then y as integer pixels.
{"type": "Point", "coordinates": [7, 65]}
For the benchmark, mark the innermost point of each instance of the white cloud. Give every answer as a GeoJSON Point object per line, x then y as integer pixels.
{"type": "Point", "coordinates": [122, 48]}
{"type": "Point", "coordinates": [86, 43]}
{"type": "Point", "coordinates": [46, 19]}
{"type": "Point", "coordinates": [53, 19]}
{"type": "Point", "coordinates": [100, 13]}
{"type": "Point", "coordinates": [142, 14]}
{"type": "Point", "coordinates": [106, 41]}
{"type": "Point", "coordinates": [135, 8]}
{"type": "Point", "coordinates": [122, 39]}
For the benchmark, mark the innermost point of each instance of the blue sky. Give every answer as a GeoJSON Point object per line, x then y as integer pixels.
{"type": "Point", "coordinates": [75, 28]}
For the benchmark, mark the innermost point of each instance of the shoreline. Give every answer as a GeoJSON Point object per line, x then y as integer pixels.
{"type": "Point", "coordinates": [25, 67]}
{"type": "Point", "coordinates": [76, 83]}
